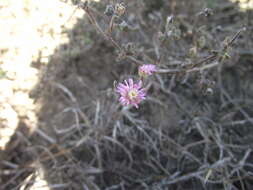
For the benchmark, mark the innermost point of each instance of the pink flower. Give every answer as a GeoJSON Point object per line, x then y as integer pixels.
{"type": "Point", "coordinates": [131, 93]}
{"type": "Point", "coordinates": [146, 70]}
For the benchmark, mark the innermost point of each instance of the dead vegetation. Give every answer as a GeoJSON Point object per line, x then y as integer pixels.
{"type": "Point", "coordinates": [194, 131]}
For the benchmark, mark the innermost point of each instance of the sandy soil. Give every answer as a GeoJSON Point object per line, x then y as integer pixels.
{"type": "Point", "coordinates": [45, 106]}
{"type": "Point", "coordinates": [30, 31]}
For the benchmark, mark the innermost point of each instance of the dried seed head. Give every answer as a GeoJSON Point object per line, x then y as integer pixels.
{"type": "Point", "coordinates": [208, 12]}
{"type": "Point", "coordinates": [171, 28]}
{"type": "Point", "coordinates": [170, 19]}
{"type": "Point", "coordinates": [120, 9]}
{"type": "Point", "coordinates": [169, 23]}
{"type": "Point", "coordinates": [109, 10]}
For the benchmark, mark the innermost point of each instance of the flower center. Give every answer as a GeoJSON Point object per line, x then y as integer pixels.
{"type": "Point", "coordinates": [132, 94]}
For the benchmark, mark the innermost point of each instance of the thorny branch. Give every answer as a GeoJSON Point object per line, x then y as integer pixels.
{"type": "Point", "coordinates": [93, 21]}
{"type": "Point", "coordinates": [218, 55]}
{"type": "Point", "coordinates": [188, 68]}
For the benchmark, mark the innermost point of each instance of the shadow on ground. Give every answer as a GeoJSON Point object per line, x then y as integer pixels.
{"type": "Point", "coordinates": [84, 140]}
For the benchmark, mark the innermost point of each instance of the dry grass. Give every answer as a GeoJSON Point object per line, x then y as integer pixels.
{"type": "Point", "coordinates": [194, 131]}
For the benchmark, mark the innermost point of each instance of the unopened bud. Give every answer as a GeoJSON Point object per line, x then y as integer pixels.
{"type": "Point", "coordinates": [201, 42]}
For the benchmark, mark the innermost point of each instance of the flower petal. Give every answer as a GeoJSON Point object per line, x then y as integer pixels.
{"type": "Point", "coordinates": [131, 83]}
